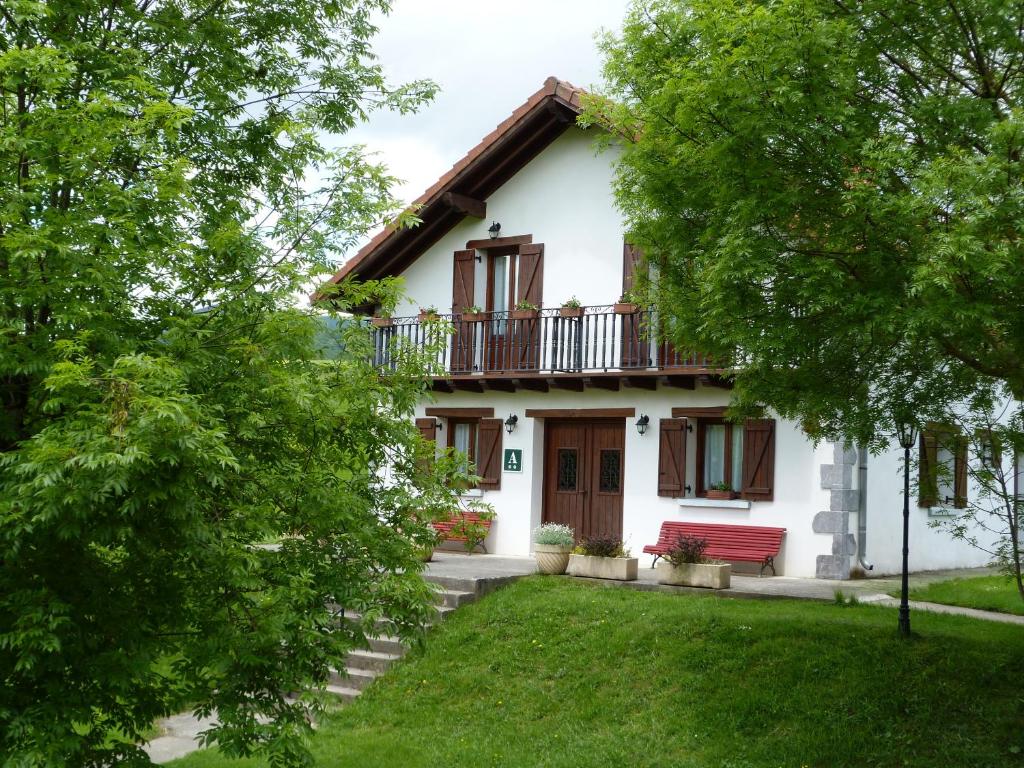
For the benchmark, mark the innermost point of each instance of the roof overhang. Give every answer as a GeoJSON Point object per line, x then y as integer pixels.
{"type": "Point", "coordinates": [545, 116]}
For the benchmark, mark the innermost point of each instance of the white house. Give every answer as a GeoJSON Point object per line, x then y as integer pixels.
{"type": "Point", "coordinates": [611, 432]}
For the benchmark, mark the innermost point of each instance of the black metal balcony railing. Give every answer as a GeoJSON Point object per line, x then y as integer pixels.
{"type": "Point", "coordinates": [597, 339]}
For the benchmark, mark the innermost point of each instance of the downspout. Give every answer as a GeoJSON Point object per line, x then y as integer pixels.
{"type": "Point", "coordinates": [862, 509]}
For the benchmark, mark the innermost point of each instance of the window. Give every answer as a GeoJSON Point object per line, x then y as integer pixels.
{"type": "Point", "coordinates": [480, 440]}
{"type": "Point", "coordinates": [740, 455]}
{"type": "Point", "coordinates": [719, 454]}
{"type": "Point", "coordinates": [942, 468]}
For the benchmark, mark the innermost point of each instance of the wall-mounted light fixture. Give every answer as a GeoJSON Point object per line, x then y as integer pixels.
{"type": "Point", "coordinates": [510, 423]}
{"type": "Point", "coordinates": [439, 424]}
{"type": "Point", "coordinates": [642, 423]}
{"type": "Point", "coordinates": [494, 230]}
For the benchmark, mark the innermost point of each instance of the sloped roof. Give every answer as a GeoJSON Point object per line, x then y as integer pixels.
{"type": "Point", "coordinates": [545, 116]}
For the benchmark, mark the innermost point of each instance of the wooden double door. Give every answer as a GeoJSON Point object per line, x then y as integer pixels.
{"type": "Point", "coordinates": [584, 463]}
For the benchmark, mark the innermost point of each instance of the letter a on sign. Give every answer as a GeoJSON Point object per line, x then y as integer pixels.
{"type": "Point", "coordinates": [513, 460]}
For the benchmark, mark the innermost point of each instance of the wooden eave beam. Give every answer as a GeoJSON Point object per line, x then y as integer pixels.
{"type": "Point", "coordinates": [575, 385]}
{"type": "Point", "coordinates": [500, 385]}
{"type": "Point", "coordinates": [466, 205]}
{"type": "Point", "coordinates": [534, 385]}
{"type": "Point", "coordinates": [682, 382]}
{"type": "Point", "coordinates": [604, 382]}
{"type": "Point", "coordinates": [643, 382]}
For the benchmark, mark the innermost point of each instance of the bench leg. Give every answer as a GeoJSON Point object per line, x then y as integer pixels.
{"type": "Point", "coordinates": [768, 562]}
{"type": "Point", "coordinates": [654, 561]}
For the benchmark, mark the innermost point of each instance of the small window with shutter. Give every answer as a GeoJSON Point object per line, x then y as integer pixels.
{"type": "Point", "coordinates": [480, 441]}
{"type": "Point", "coordinates": [942, 467]}
{"type": "Point", "coordinates": [672, 457]}
{"type": "Point", "coordinates": [738, 456]}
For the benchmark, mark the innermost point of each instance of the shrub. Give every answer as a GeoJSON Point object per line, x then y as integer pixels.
{"type": "Point", "coordinates": [602, 546]}
{"type": "Point", "coordinates": [554, 534]}
{"type": "Point", "coordinates": [723, 486]}
{"type": "Point", "coordinates": [687, 549]}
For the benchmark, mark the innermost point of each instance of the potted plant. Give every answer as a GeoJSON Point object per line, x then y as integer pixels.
{"type": "Point", "coordinates": [382, 322]}
{"type": "Point", "coordinates": [571, 308]}
{"type": "Point", "coordinates": [626, 305]}
{"type": "Point", "coordinates": [603, 557]}
{"type": "Point", "coordinates": [428, 314]}
{"type": "Point", "coordinates": [524, 311]}
{"type": "Point", "coordinates": [473, 314]}
{"type": "Point", "coordinates": [552, 545]}
{"type": "Point", "coordinates": [685, 565]}
{"type": "Point", "coordinates": [721, 491]}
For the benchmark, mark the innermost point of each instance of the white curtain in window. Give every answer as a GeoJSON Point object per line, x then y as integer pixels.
{"type": "Point", "coordinates": [714, 454]}
{"type": "Point", "coordinates": [462, 438]}
{"type": "Point", "coordinates": [737, 458]}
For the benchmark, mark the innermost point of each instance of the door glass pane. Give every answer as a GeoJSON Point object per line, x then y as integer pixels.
{"type": "Point", "coordinates": [499, 291]}
{"type": "Point", "coordinates": [611, 471]}
{"type": "Point", "coordinates": [737, 458]}
{"type": "Point", "coordinates": [462, 439]}
{"type": "Point", "coordinates": [714, 454]}
{"type": "Point", "coordinates": [567, 469]}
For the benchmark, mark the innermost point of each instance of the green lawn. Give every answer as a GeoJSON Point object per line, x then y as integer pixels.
{"type": "Point", "coordinates": [987, 593]}
{"type": "Point", "coordinates": [551, 672]}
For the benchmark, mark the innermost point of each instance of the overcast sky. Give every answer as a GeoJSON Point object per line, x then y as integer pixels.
{"type": "Point", "coordinates": [488, 57]}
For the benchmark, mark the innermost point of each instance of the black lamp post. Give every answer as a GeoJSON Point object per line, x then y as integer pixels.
{"type": "Point", "coordinates": [906, 432]}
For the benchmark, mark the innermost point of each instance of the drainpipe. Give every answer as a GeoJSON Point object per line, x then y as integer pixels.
{"type": "Point", "coordinates": [862, 509]}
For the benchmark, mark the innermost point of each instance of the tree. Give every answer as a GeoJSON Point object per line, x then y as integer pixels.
{"type": "Point", "coordinates": [831, 193]}
{"type": "Point", "coordinates": [190, 483]}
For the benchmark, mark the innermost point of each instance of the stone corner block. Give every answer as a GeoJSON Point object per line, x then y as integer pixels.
{"type": "Point", "coordinates": [844, 454]}
{"type": "Point", "coordinates": [844, 544]}
{"type": "Point", "coordinates": [832, 567]}
{"type": "Point", "coordinates": [831, 522]}
{"type": "Point", "coordinates": [836, 477]}
{"type": "Point", "coordinates": [844, 501]}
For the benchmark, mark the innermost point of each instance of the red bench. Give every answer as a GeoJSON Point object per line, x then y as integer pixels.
{"type": "Point", "coordinates": [444, 527]}
{"type": "Point", "coordinates": [746, 543]}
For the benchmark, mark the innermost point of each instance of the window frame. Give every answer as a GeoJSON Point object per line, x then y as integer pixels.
{"type": "Point", "coordinates": [702, 424]}
{"type": "Point", "coordinates": [950, 439]}
{"type": "Point", "coordinates": [474, 438]}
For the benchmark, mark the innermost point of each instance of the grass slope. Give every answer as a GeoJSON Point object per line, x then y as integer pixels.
{"type": "Point", "coordinates": [986, 593]}
{"type": "Point", "coordinates": [551, 672]}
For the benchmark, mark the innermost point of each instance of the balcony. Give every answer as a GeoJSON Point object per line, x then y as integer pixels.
{"type": "Point", "coordinates": [561, 348]}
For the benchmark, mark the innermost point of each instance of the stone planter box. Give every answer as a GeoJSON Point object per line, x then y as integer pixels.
{"type": "Point", "coordinates": [382, 322]}
{"type": "Point", "coordinates": [474, 317]}
{"type": "Point", "coordinates": [708, 575]}
{"type": "Point", "coordinates": [625, 308]}
{"type": "Point", "coordinates": [552, 559]}
{"type": "Point", "coordinates": [424, 317]}
{"type": "Point", "coordinates": [618, 568]}
{"type": "Point", "coordinates": [524, 314]}
{"type": "Point", "coordinates": [571, 311]}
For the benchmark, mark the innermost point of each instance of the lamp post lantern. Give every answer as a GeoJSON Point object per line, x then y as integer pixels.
{"type": "Point", "coordinates": [906, 432]}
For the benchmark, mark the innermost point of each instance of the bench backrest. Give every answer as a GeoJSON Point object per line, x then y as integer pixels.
{"type": "Point", "coordinates": [756, 538]}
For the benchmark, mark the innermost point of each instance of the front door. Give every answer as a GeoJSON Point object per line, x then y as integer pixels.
{"type": "Point", "coordinates": [583, 468]}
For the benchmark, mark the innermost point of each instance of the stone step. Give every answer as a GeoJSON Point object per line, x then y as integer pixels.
{"type": "Point", "coordinates": [453, 582]}
{"type": "Point", "coordinates": [388, 644]}
{"type": "Point", "coordinates": [454, 598]}
{"type": "Point", "coordinates": [353, 677]}
{"type": "Point", "coordinates": [370, 660]}
{"type": "Point", "coordinates": [343, 692]}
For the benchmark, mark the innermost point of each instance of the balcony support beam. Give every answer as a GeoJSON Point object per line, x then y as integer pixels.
{"type": "Point", "coordinates": [643, 382]}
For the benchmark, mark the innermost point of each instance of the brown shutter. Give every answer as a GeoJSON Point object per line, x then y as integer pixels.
{"type": "Point", "coordinates": [758, 459]}
{"type": "Point", "coordinates": [927, 476]}
{"type": "Point", "coordinates": [488, 455]}
{"type": "Point", "coordinates": [671, 457]}
{"type": "Point", "coordinates": [530, 288]}
{"type": "Point", "coordinates": [632, 260]}
{"type": "Point", "coordinates": [462, 297]}
{"type": "Point", "coordinates": [427, 428]}
{"type": "Point", "coordinates": [960, 472]}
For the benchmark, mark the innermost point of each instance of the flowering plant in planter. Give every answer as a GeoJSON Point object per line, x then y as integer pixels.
{"type": "Point", "coordinates": [685, 565]}
{"type": "Point", "coordinates": [428, 313]}
{"type": "Point", "coordinates": [552, 546]}
{"type": "Point", "coordinates": [571, 308]}
{"type": "Point", "coordinates": [721, 491]}
{"type": "Point", "coordinates": [626, 305]}
{"type": "Point", "coordinates": [472, 314]}
{"type": "Point", "coordinates": [524, 311]}
{"type": "Point", "coordinates": [603, 557]}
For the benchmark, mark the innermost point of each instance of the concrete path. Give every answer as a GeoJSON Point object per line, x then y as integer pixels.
{"type": "Point", "coordinates": [180, 737]}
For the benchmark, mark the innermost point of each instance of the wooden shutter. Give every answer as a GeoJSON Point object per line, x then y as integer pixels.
{"type": "Point", "coordinates": [632, 263]}
{"type": "Point", "coordinates": [927, 474]}
{"type": "Point", "coordinates": [671, 457]}
{"type": "Point", "coordinates": [462, 297]}
{"type": "Point", "coordinates": [758, 459]}
{"type": "Point", "coordinates": [488, 453]}
{"type": "Point", "coordinates": [960, 472]}
{"type": "Point", "coordinates": [530, 288]}
{"type": "Point", "coordinates": [427, 428]}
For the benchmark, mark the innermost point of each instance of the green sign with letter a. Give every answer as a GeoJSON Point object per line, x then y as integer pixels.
{"type": "Point", "coordinates": [513, 459]}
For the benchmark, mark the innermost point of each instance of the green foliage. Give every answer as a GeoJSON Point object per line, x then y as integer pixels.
{"type": "Point", "coordinates": [554, 534]}
{"type": "Point", "coordinates": [832, 195]}
{"type": "Point", "coordinates": [524, 306]}
{"type": "Point", "coordinates": [986, 593]}
{"type": "Point", "coordinates": [165, 409]}
{"type": "Point", "coordinates": [474, 528]}
{"type": "Point", "coordinates": [710, 681]}
{"type": "Point", "coordinates": [602, 546]}
{"type": "Point", "coordinates": [572, 303]}
{"type": "Point", "coordinates": [687, 549]}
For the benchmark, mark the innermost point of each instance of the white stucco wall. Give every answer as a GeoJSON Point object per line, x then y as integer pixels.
{"type": "Point", "coordinates": [564, 199]}
{"type": "Point", "coordinates": [518, 503]}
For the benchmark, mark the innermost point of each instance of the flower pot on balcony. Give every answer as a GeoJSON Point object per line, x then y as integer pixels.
{"type": "Point", "coordinates": [718, 495]}
{"type": "Point", "coordinates": [571, 311]}
{"type": "Point", "coordinates": [625, 308]}
{"type": "Point", "coordinates": [708, 575]}
{"type": "Point", "coordinates": [617, 568]}
{"type": "Point", "coordinates": [382, 322]}
{"type": "Point", "coordinates": [474, 317]}
{"type": "Point", "coordinates": [427, 316]}
{"type": "Point", "coordinates": [524, 314]}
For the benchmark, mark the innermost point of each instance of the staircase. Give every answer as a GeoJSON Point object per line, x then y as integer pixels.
{"type": "Point", "coordinates": [363, 666]}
